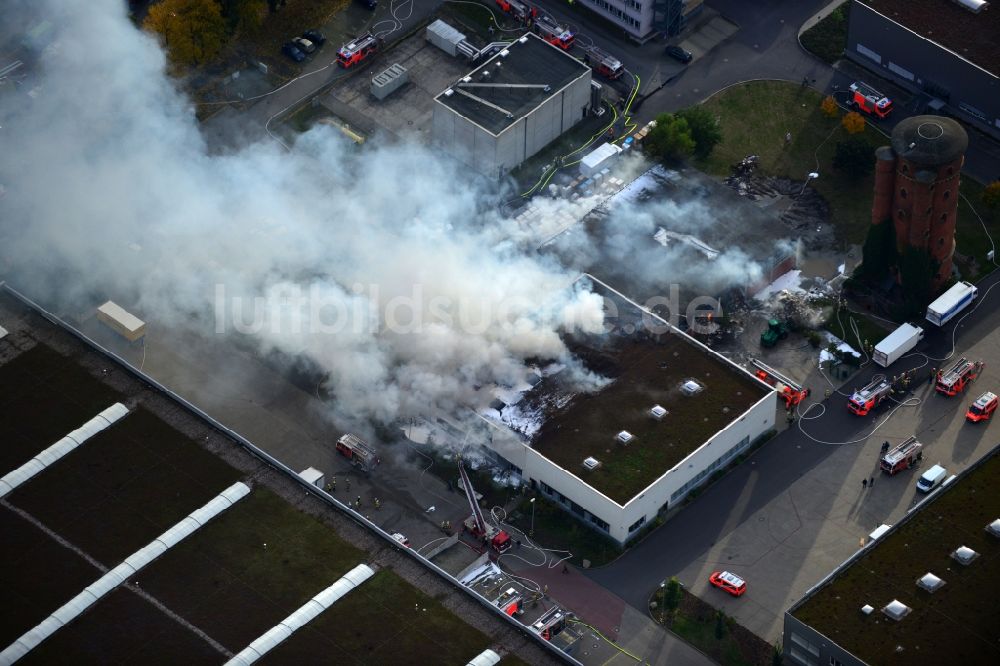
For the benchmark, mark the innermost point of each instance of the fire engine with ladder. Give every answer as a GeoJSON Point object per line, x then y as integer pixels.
{"type": "Point", "coordinates": [522, 11]}
{"type": "Point", "coordinates": [961, 375]}
{"type": "Point", "coordinates": [867, 99]}
{"type": "Point", "coordinates": [604, 63]}
{"type": "Point", "coordinates": [869, 397]}
{"type": "Point", "coordinates": [476, 524]}
{"type": "Point", "coordinates": [554, 33]}
{"type": "Point", "coordinates": [903, 456]}
{"type": "Point", "coordinates": [358, 452]}
{"type": "Point", "coordinates": [789, 391]}
{"type": "Point", "coordinates": [356, 50]}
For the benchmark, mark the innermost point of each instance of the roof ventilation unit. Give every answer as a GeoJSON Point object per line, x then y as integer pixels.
{"type": "Point", "coordinates": [523, 40]}
{"type": "Point", "coordinates": [930, 582]}
{"type": "Point", "coordinates": [591, 463]}
{"type": "Point", "coordinates": [691, 387]}
{"type": "Point", "coordinates": [974, 6]}
{"type": "Point", "coordinates": [657, 412]}
{"type": "Point", "coordinates": [994, 528]}
{"type": "Point", "coordinates": [624, 437]}
{"type": "Point", "coordinates": [964, 555]}
{"type": "Point", "coordinates": [867, 609]}
{"type": "Point", "coordinates": [896, 610]}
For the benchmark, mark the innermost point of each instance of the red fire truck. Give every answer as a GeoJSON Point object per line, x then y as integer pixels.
{"type": "Point", "coordinates": [356, 50]}
{"type": "Point", "coordinates": [358, 452]}
{"type": "Point", "coordinates": [870, 397]}
{"type": "Point", "coordinates": [551, 622]}
{"type": "Point", "coordinates": [604, 64]}
{"type": "Point", "coordinates": [554, 33]}
{"type": "Point", "coordinates": [982, 409]}
{"type": "Point", "coordinates": [961, 375]}
{"type": "Point", "coordinates": [476, 524]}
{"type": "Point", "coordinates": [867, 99]}
{"type": "Point", "coordinates": [788, 390]}
{"type": "Point", "coordinates": [904, 456]}
{"type": "Point", "coordinates": [522, 11]}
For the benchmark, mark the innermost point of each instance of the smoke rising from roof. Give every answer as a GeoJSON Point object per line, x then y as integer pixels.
{"type": "Point", "coordinates": [381, 265]}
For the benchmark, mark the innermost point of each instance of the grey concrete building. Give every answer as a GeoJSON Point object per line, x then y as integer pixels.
{"type": "Point", "coordinates": [511, 106]}
{"type": "Point", "coordinates": [946, 53]}
{"type": "Point", "coordinates": [645, 19]}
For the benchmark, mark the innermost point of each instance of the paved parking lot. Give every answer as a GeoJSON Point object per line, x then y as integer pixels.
{"type": "Point", "coordinates": [797, 508]}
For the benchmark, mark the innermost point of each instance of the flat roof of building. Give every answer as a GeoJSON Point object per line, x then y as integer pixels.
{"type": "Point", "coordinates": [124, 486]}
{"type": "Point", "coordinates": [512, 83]}
{"type": "Point", "coordinates": [961, 619]}
{"type": "Point", "coordinates": [647, 371]}
{"type": "Point", "coordinates": [970, 35]}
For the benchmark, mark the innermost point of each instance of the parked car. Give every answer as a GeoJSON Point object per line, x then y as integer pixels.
{"type": "Point", "coordinates": [369, 4]}
{"type": "Point", "coordinates": [403, 541]}
{"type": "Point", "coordinates": [304, 45]}
{"type": "Point", "coordinates": [729, 582]}
{"type": "Point", "coordinates": [291, 50]}
{"type": "Point", "coordinates": [314, 36]}
{"type": "Point", "coordinates": [677, 53]}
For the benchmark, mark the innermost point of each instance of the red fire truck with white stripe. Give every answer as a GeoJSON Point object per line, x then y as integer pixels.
{"type": "Point", "coordinates": [788, 390]}
{"type": "Point", "coordinates": [604, 63]}
{"type": "Point", "coordinates": [554, 33]}
{"type": "Point", "coordinates": [961, 375]}
{"type": "Point", "coordinates": [867, 99]}
{"type": "Point", "coordinates": [476, 524]}
{"type": "Point", "coordinates": [551, 622]}
{"type": "Point", "coordinates": [358, 49]}
{"type": "Point", "coordinates": [903, 456]}
{"type": "Point", "coordinates": [522, 11]}
{"type": "Point", "coordinates": [869, 397]}
{"type": "Point", "coordinates": [358, 452]}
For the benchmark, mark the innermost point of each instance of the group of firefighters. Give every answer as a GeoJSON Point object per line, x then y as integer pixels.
{"type": "Point", "coordinates": [331, 487]}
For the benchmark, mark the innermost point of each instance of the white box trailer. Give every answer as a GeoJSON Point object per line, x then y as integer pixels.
{"type": "Point", "coordinates": [121, 321]}
{"type": "Point", "coordinates": [899, 342]}
{"type": "Point", "coordinates": [598, 158]}
{"type": "Point", "coordinates": [951, 302]}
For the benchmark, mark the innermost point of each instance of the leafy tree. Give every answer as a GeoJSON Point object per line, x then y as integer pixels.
{"type": "Point", "coordinates": [853, 122]}
{"type": "Point", "coordinates": [777, 658]}
{"type": "Point", "coordinates": [991, 195]}
{"type": "Point", "coordinates": [670, 139]}
{"type": "Point", "coordinates": [829, 106]}
{"type": "Point", "coordinates": [879, 251]}
{"type": "Point", "coordinates": [854, 157]}
{"type": "Point", "coordinates": [244, 15]}
{"type": "Point", "coordinates": [193, 30]}
{"type": "Point", "coordinates": [720, 625]}
{"type": "Point", "coordinates": [672, 595]}
{"type": "Point", "coordinates": [704, 128]}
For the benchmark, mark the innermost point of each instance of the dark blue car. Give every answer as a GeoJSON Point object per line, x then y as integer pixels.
{"type": "Point", "coordinates": [293, 52]}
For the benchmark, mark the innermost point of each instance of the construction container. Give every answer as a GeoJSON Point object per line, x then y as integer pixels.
{"type": "Point", "coordinates": [125, 324]}
{"type": "Point", "coordinates": [445, 37]}
{"type": "Point", "coordinates": [389, 81]}
{"type": "Point", "coordinates": [598, 159]}
{"type": "Point", "coordinates": [313, 476]}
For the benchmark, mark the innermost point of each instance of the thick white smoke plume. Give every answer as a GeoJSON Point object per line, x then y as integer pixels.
{"type": "Point", "coordinates": [381, 266]}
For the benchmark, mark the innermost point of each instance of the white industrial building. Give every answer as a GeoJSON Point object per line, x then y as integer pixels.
{"type": "Point", "coordinates": [736, 409]}
{"type": "Point", "coordinates": [646, 19]}
{"type": "Point", "coordinates": [511, 106]}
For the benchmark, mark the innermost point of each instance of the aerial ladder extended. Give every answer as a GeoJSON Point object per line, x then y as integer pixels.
{"type": "Point", "coordinates": [789, 391]}
{"type": "Point", "coordinates": [476, 524]}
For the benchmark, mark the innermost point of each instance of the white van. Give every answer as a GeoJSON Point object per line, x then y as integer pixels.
{"type": "Point", "coordinates": [931, 479]}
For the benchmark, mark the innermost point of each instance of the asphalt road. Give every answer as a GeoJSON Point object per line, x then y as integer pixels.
{"type": "Point", "coordinates": [795, 510]}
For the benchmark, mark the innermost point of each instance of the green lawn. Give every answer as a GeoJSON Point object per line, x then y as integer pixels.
{"type": "Point", "coordinates": [556, 528]}
{"type": "Point", "coordinates": [754, 119]}
{"type": "Point", "coordinates": [827, 39]}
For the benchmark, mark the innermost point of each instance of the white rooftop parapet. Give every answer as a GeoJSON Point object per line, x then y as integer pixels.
{"type": "Point", "coordinates": [112, 579]}
{"type": "Point", "coordinates": [305, 614]}
{"type": "Point", "coordinates": [53, 453]}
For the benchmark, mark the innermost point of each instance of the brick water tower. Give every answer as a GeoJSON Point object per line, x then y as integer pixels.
{"type": "Point", "coordinates": [916, 186]}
